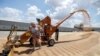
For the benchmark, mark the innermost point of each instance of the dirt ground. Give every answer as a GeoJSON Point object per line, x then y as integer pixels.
{"type": "Point", "coordinates": [69, 44]}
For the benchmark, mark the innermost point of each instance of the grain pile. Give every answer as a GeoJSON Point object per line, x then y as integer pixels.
{"type": "Point", "coordinates": [70, 44]}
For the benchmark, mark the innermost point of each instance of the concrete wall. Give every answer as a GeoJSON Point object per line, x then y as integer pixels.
{"type": "Point", "coordinates": [6, 25]}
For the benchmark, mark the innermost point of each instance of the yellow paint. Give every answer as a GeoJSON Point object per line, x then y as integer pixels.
{"type": "Point", "coordinates": [28, 34]}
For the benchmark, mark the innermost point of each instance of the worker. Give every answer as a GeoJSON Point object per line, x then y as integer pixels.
{"type": "Point", "coordinates": [35, 35]}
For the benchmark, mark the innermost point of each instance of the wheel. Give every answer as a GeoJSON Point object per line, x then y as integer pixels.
{"type": "Point", "coordinates": [31, 41]}
{"type": "Point", "coordinates": [5, 52]}
{"type": "Point", "coordinates": [51, 42]}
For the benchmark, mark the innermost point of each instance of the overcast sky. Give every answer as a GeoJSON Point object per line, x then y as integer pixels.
{"type": "Point", "coordinates": [29, 10]}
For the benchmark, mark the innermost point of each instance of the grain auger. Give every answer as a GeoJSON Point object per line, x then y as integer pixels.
{"type": "Point", "coordinates": [48, 30]}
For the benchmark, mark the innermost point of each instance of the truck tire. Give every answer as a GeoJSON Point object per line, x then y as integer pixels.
{"type": "Point", "coordinates": [51, 42]}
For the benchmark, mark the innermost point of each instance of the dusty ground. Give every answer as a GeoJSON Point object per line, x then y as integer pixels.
{"type": "Point", "coordinates": [69, 44]}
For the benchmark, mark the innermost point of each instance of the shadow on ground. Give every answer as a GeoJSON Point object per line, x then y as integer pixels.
{"type": "Point", "coordinates": [28, 51]}
{"type": "Point", "coordinates": [0, 54]}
